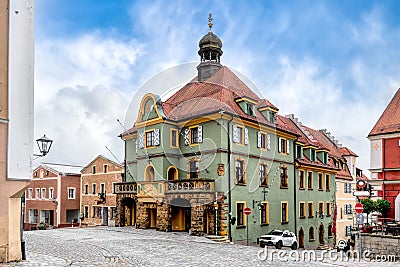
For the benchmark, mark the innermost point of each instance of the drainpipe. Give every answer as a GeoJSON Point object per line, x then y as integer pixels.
{"type": "Point", "coordinates": [229, 183]}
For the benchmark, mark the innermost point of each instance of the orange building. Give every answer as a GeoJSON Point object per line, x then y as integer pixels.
{"type": "Point", "coordinates": [98, 201]}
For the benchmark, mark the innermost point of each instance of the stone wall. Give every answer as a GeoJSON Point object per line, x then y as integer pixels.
{"type": "Point", "coordinates": [379, 245]}
{"type": "Point", "coordinates": [142, 220]}
{"type": "Point", "coordinates": [164, 219]}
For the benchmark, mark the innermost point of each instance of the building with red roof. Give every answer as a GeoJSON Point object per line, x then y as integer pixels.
{"type": "Point", "coordinates": [197, 160]}
{"type": "Point", "coordinates": [385, 156]}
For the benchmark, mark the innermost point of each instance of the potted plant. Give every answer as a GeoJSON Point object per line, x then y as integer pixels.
{"type": "Point", "coordinates": [41, 226]}
{"type": "Point", "coordinates": [383, 206]}
{"type": "Point", "coordinates": [369, 206]}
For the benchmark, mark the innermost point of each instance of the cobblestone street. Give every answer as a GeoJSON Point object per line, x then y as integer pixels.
{"type": "Point", "coordinates": [106, 246]}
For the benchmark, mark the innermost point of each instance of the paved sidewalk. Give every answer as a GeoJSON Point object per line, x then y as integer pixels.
{"type": "Point", "coordinates": [107, 246]}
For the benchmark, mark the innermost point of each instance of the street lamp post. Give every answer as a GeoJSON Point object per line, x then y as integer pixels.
{"type": "Point", "coordinates": [44, 143]}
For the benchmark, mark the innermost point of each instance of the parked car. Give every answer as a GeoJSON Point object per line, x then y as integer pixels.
{"type": "Point", "coordinates": [279, 239]}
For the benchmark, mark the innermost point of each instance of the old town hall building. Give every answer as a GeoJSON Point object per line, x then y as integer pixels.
{"type": "Point", "coordinates": [195, 161]}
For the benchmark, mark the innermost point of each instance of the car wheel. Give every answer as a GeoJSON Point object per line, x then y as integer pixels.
{"type": "Point", "coordinates": [278, 245]}
{"type": "Point", "coordinates": [294, 246]}
{"type": "Point", "coordinates": [262, 245]}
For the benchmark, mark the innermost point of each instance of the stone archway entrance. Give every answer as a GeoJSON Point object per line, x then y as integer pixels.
{"type": "Point", "coordinates": [321, 233]}
{"type": "Point", "coordinates": [180, 215]}
{"type": "Point", "coordinates": [301, 238]}
{"type": "Point", "coordinates": [128, 218]}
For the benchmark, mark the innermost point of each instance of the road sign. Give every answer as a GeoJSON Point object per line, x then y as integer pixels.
{"type": "Point", "coordinates": [361, 193]}
{"type": "Point", "coordinates": [359, 208]}
{"type": "Point", "coordinates": [360, 218]}
{"type": "Point", "coordinates": [361, 184]}
{"type": "Point", "coordinates": [247, 211]}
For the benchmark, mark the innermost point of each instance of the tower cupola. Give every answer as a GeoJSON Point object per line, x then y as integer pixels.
{"type": "Point", "coordinates": [210, 53]}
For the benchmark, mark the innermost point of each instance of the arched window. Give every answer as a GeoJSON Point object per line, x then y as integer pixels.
{"type": "Point", "coordinates": [311, 234]}
{"type": "Point", "coordinates": [149, 173]}
{"type": "Point", "coordinates": [172, 173]}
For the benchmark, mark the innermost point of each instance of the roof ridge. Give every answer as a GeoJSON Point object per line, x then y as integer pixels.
{"type": "Point", "coordinates": [301, 127]}
{"type": "Point", "coordinates": [331, 138]}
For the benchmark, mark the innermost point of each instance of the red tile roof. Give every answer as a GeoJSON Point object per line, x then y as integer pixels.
{"type": "Point", "coordinates": [345, 151]}
{"type": "Point", "coordinates": [216, 93]}
{"type": "Point", "coordinates": [389, 122]}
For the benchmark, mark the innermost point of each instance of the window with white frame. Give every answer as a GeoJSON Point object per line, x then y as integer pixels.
{"type": "Point", "coordinates": [43, 193]}
{"type": "Point", "coordinates": [263, 140]}
{"type": "Point", "coordinates": [348, 209]}
{"type": "Point", "coordinates": [33, 215]}
{"type": "Point", "coordinates": [30, 193]}
{"type": "Point", "coordinates": [263, 174]}
{"type": "Point", "coordinates": [283, 145]}
{"type": "Point", "coordinates": [71, 193]}
{"type": "Point", "coordinates": [37, 193]}
{"type": "Point", "coordinates": [240, 176]}
{"type": "Point", "coordinates": [149, 138]}
{"type": "Point", "coordinates": [86, 189]}
{"type": "Point", "coordinates": [102, 188]}
{"type": "Point", "coordinates": [51, 193]}
{"type": "Point", "coordinates": [347, 188]}
{"type": "Point", "coordinates": [45, 216]}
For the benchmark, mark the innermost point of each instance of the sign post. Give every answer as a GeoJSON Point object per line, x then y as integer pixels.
{"type": "Point", "coordinates": [359, 209]}
{"type": "Point", "coordinates": [247, 212]}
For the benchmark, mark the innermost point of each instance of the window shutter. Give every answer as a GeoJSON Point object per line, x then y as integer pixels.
{"type": "Point", "coordinates": [246, 136]}
{"type": "Point", "coordinates": [186, 137]}
{"type": "Point", "coordinates": [279, 145]}
{"type": "Point", "coordinates": [200, 134]}
{"type": "Point", "coordinates": [235, 137]}
{"type": "Point", "coordinates": [137, 145]}
{"type": "Point", "coordinates": [268, 142]}
{"type": "Point", "coordinates": [156, 137]}
{"type": "Point", "coordinates": [258, 139]}
{"type": "Point", "coordinates": [141, 140]}
{"type": "Point", "coordinates": [287, 146]}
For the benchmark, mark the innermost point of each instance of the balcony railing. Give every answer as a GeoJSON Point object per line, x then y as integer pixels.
{"type": "Point", "coordinates": [151, 189]}
{"type": "Point", "coordinates": [189, 186]}
{"type": "Point", "coordinates": [125, 188]}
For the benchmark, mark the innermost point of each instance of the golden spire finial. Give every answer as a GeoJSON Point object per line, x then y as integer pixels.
{"type": "Point", "coordinates": [210, 19]}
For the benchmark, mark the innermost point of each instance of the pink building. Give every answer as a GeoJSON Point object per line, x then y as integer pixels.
{"type": "Point", "coordinates": [53, 196]}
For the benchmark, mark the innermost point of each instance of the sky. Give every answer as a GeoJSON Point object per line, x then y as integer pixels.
{"type": "Point", "coordinates": [334, 64]}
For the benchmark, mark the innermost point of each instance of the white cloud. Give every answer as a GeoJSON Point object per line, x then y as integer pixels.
{"type": "Point", "coordinates": [82, 87]}
{"type": "Point", "coordinates": [320, 102]}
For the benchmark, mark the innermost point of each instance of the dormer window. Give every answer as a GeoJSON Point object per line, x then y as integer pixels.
{"type": "Point", "coordinates": [247, 105]}
{"type": "Point", "coordinates": [250, 109]}
{"type": "Point", "coordinates": [271, 116]}
{"type": "Point", "coordinates": [299, 152]}
{"type": "Point", "coordinates": [312, 154]}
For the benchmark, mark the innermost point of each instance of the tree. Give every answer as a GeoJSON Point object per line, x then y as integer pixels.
{"type": "Point", "coordinates": [369, 206]}
{"type": "Point", "coordinates": [383, 206]}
